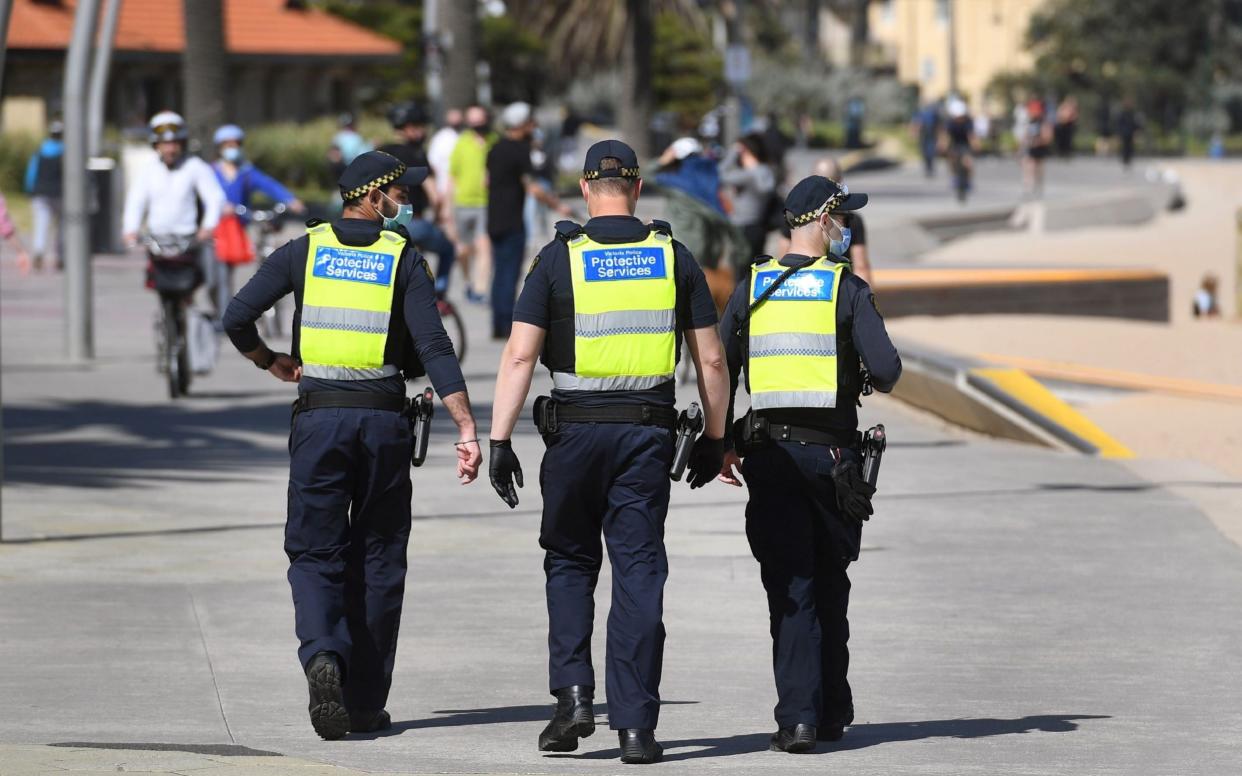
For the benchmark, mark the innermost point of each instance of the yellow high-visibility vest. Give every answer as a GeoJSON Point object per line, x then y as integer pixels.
{"type": "Point", "coordinates": [793, 336]}
{"type": "Point", "coordinates": [625, 300]}
{"type": "Point", "coordinates": [347, 305]}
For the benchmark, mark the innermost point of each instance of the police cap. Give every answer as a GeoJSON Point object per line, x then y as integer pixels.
{"type": "Point", "coordinates": [816, 195]}
{"type": "Point", "coordinates": [375, 169]}
{"type": "Point", "coordinates": [614, 149]}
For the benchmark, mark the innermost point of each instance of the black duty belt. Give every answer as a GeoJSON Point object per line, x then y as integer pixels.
{"type": "Point", "coordinates": [549, 414]}
{"type": "Point", "coordinates": [316, 400]}
{"type": "Point", "coordinates": [756, 429]}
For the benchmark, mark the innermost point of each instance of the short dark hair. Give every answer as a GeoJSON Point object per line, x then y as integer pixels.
{"type": "Point", "coordinates": [611, 187]}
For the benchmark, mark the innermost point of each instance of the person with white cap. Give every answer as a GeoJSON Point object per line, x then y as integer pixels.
{"type": "Point", "coordinates": [511, 177]}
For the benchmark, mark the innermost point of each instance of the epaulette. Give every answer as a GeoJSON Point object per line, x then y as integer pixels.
{"type": "Point", "coordinates": [760, 259]}
{"type": "Point", "coordinates": [311, 223]}
{"type": "Point", "coordinates": [663, 227]}
{"type": "Point", "coordinates": [567, 230]}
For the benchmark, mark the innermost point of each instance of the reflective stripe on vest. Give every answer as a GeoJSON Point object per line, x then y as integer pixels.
{"type": "Point", "coordinates": [792, 344]}
{"type": "Point", "coordinates": [347, 306]}
{"type": "Point", "coordinates": [625, 299]}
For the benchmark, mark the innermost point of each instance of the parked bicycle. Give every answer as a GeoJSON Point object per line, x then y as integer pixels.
{"type": "Point", "coordinates": [173, 272]}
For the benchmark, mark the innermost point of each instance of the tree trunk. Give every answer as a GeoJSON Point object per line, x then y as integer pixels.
{"type": "Point", "coordinates": [461, 51]}
{"type": "Point", "coordinates": [204, 69]}
{"type": "Point", "coordinates": [859, 33]}
{"type": "Point", "coordinates": [636, 92]}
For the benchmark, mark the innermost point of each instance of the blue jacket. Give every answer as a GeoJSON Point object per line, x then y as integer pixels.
{"type": "Point", "coordinates": [249, 180]}
{"type": "Point", "coordinates": [698, 177]}
{"type": "Point", "coordinates": [43, 170]}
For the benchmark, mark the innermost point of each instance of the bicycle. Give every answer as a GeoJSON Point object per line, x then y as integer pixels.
{"type": "Point", "coordinates": [454, 326]}
{"type": "Point", "coordinates": [268, 224]}
{"type": "Point", "coordinates": [173, 272]}
{"type": "Point", "coordinates": [960, 164]}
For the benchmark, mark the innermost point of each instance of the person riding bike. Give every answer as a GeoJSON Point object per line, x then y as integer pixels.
{"type": "Point", "coordinates": [240, 179]}
{"type": "Point", "coordinates": [176, 195]}
{"type": "Point", "coordinates": [409, 119]}
{"type": "Point", "coordinates": [958, 143]}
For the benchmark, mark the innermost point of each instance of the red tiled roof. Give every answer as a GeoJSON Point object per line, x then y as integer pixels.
{"type": "Point", "coordinates": [250, 27]}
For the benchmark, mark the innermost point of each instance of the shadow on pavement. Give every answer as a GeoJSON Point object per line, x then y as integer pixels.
{"type": "Point", "coordinates": [541, 712]}
{"type": "Point", "coordinates": [93, 444]}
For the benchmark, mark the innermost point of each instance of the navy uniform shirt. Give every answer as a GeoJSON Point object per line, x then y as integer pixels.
{"type": "Point", "coordinates": [413, 327]}
{"type": "Point", "coordinates": [547, 301]}
{"type": "Point", "coordinates": [860, 335]}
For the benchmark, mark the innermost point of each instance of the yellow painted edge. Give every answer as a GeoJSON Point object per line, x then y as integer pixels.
{"type": "Point", "coordinates": [955, 276]}
{"type": "Point", "coordinates": [1034, 395]}
{"type": "Point", "coordinates": [1115, 378]}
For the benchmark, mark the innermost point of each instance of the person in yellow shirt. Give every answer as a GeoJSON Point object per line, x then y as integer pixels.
{"type": "Point", "coordinates": [468, 193]}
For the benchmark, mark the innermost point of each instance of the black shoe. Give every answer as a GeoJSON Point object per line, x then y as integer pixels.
{"type": "Point", "coordinates": [327, 705]}
{"type": "Point", "coordinates": [795, 740]}
{"type": "Point", "coordinates": [369, 721]}
{"type": "Point", "coordinates": [639, 747]}
{"type": "Point", "coordinates": [835, 731]}
{"type": "Point", "coordinates": [574, 718]}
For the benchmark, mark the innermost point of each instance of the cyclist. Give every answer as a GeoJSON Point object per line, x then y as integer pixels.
{"type": "Point", "coordinates": [240, 179]}
{"type": "Point", "coordinates": [409, 119]}
{"type": "Point", "coordinates": [958, 143]}
{"type": "Point", "coordinates": [177, 194]}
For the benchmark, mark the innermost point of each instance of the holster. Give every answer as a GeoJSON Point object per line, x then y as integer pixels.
{"type": "Point", "coordinates": [545, 415]}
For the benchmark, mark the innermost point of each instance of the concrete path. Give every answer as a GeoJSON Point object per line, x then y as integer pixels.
{"type": "Point", "coordinates": [1015, 610]}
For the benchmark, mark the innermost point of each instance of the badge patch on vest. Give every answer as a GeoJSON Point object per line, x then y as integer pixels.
{"type": "Point", "coordinates": [354, 265]}
{"type": "Point", "coordinates": [627, 263]}
{"type": "Point", "coordinates": [804, 286]}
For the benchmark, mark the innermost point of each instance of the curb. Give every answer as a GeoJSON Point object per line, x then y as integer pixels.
{"type": "Point", "coordinates": [998, 401]}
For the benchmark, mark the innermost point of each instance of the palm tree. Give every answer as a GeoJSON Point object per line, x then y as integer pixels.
{"type": "Point", "coordinates": [461, 25]}
{"type": "Point", "coordinates": [204, 69]}
{"type": "Point", "coordinates": [592, 35]}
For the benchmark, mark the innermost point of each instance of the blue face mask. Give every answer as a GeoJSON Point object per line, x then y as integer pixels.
{"type": "Point", "coordinates": [405, 214]}
{"type": "Point", "coordinates": [838, 247]}
{"type": "Point", "coordinates": [232, 154]}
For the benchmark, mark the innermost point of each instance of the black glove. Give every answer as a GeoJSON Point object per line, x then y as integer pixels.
{"type": "Point", "coordinates": [504, 470]}
{"type": "Point", "coordinates": [853, 492]}
{"type": "Point", "coordinates": [706, 458]}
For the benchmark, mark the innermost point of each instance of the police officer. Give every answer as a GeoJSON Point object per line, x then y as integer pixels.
{"type": "Point", "coordinates": [365, 312]}
{"type": "Point", "coordinates": [800, 326]}
{"type": "Point", "coordinates": [604, 307]}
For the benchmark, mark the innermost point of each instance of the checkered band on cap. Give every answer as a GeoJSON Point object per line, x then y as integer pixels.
{"type": "Point", "coordinates": [379, 182]}
{"type": "Point", "coordinates": [620, 172]}
{"type": "Point", "coordinates": [828, 207]}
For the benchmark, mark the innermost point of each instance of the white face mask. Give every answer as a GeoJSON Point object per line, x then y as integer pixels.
{"type": "Point", "coordinates": [837, 246]}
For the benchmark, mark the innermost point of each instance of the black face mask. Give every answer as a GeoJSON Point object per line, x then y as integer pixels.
{"type": "Point", "coordinates": [482, 130]}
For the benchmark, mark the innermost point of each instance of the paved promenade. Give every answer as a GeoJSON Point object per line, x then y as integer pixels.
{"type": "Point", "coordinates": [1015, 610]}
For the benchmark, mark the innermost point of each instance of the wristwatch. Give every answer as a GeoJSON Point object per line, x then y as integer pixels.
{"type": "Point", "coordinates": [267, 364]}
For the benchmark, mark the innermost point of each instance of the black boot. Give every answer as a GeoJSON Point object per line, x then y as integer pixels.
{"type": "Point", "coordinates": [639, 747]}
{"type": "Point", "coordinates": [327, 704]}
{"type": "Point", "coordinates": [574, 718]}
{"type": "Point", "coordinates": [795, 740]}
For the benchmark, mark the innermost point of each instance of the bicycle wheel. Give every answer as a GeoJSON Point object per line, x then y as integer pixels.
{"type": "Point", "coordinates": [170, 348]}
{"type": "Point", "coordinates": [184, 373]}
{"type": "Point", "coordinates": [455, 326]}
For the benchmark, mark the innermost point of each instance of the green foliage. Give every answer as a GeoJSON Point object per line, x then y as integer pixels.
{"type": "Point", "coordinates": [517, 57]}
{"type": "Point", "coordinates": [16, 148]}
{"type": "Point", "coordinates": [1155, 52]}
{"type": "Point", "coordinates": [397, 19]}
{"type": "Point", "coordinates": [296, 154]}
{"type": "Point", "coordinates": [686, 70]}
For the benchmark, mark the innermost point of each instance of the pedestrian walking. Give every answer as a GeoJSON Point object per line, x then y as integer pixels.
{"type": "Point", "coordinates": [44, 184]}
{"type": "Point", "coordinates": [1129, 124]}
{"type": "Point", "coordinates": [468, 179]}
{"type": "Point", "coordinates": [800, 326]}
{"type": "Point", "coordinates": [8, 234]}
{"type": "Point", "coordinates": [365, 321]}
{"type": "Point", "coordinates": [751, 183]}
{"type": "Point", "coordinates": [440, 148]}
{"type": "Point", "coordinates": [604, 307]}
{"type": "Point", "coordinates": [240, 179]}
{"type": "Point", "coordinates": [409, 119]}
{"type": "Point", "coordinates": [511, 179]}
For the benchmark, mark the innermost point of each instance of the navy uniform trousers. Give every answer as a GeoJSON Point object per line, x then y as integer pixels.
{"type": "Point", "coordinates": [611, 477]}
{"type": "Point", "coordinates": [803, 546]}
{"type": "Point", "coordinates": [346, 537]}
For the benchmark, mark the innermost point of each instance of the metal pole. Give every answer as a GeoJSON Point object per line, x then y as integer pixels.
{"type": "Point", "coordinates": [952, 25]}
{"type": "Point", "coordinates": [6, 7]}
{"type": "Point", "coordinates": [79, 336]}
{"type": "Point", "coordinates": [433, 58]}
{"type": "Point", "coordinates": [99, 75]}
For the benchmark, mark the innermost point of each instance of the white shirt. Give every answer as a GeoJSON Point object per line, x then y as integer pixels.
{"type": "Point", "coordinates": [168, 198]}
{"type": "Point", "coordinates": [438, 152]}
